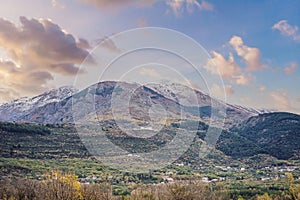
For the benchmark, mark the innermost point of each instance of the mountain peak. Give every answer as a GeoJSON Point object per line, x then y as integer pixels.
{"type": "Point", "coordinates": [55, 106]}
{"type": "Point", "coordinates": [20, 107]}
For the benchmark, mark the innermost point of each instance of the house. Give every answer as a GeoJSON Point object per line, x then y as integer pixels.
{"type": "Point", "coordinates": [205, 179]}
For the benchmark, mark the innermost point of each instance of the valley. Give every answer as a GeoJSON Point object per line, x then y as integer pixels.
{"type": "Point", "coordinates": [254, 153]}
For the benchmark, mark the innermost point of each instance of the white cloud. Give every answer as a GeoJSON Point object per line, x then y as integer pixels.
{"type": "Point", "coordinates": [280, 100]}
{"type": "Point", "coordinates": [227, 69]}
{"type": "Point", "coordinates": [287, 30]}
{"type": "Point", "coordinates": [178, 6]}
{"type": "Point", "coordinates": [242, 79]}
{"type": "Point", "coordinates": [219, 65]}
{"type": "Point", "coordinates": [249, 54]}
{"type": "Point", "coordinates": [291, 68]}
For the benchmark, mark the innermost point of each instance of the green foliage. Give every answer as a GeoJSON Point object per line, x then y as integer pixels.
{"type": "Point", "coordinates": [25, 153]}
{"type": "Point", "coordinates": [24, 128]}
{"type": "Point", "coordinates": [277, 134]}
{"type": "Point", "coordinates": [237, 146]}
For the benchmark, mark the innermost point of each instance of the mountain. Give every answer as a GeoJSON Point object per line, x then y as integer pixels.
{"type": "Point", "coordinates": [247, 132]}
{"type": "Point", "coordinates": [261, 140]}
{"type": "Point", "coordinates": [184, 96]}
{"type": "Point", "coordinates": [276, 134]}
{"type": "Point", "coordinates": [59, 106]}
{"type": "Point", "coordinates": [17, 109]}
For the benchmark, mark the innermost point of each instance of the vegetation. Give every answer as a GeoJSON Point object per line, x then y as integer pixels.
{"type": "Point", "coordinates": [60, 186]}
{"type": "Point", "coordinates": [277, 134]}
{"type": "Point", "coordinates": [55, 186]}
{"type": "Point", "coordinates": [239, 167]}
{"type": "Point", "coordinates": [24, 128]}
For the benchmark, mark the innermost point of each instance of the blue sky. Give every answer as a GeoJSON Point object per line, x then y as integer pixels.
{"type": "Point", "coordinates": [255, 44]}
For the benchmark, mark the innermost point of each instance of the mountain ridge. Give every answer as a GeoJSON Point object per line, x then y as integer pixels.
{"type": "Point", "coordinates": [55, 106]}
{"type": "Point", "coordinates": [17, 108]}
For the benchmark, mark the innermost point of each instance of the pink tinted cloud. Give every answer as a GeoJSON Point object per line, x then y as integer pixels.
{"type": "Point", "coordinates": [250, 55]}
{"type": "Point", "coordinates": [37, 49]}
{"type": "Point", "coordinates": [291, 68]}
{"type": "Point", "coordinates": [287, 30]}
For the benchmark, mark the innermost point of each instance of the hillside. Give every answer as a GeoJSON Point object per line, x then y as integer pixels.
{"type": "Point", "coordinates": [32, 150]}
{"type": "Point", "coordinates": [276, 134]}
{"type": "Point", "coordinates": [59, 142]}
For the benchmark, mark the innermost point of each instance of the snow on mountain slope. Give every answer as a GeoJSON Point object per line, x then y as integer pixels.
{"type": "Point", "coordinates": [55, 106]}
{"type": "Point", "coordinates": [184, 95]}
{"type": "Point", "coordinates": [14, 110]}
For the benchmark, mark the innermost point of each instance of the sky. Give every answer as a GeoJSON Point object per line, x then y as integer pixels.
{"type": "Point", "coordinates": [254, 46]}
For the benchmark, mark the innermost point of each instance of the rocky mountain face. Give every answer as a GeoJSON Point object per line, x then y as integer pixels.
{"type": "Point", "coordinates": [17, 109]}
{"type": "Point", "coordinates": [135, 101]}
{"type": "Point", "coordinates": [205, 103]}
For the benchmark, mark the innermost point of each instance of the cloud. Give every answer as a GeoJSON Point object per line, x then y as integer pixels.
{"type": "Point", "coordinates": [7, 67]}
{"type": "Point", "coordinates": [118, 3]}
{"type": "Point", "coordinates": [249, 54]}
{"type": "Point", "coordinates": [8, 94]}
{"type": "Point", "coordinates": [218, 64]}
{"type": "Point", "coordinates": [150, 72]}
{"type": "Point", "coordinates": [262, 88]}
{"type": "Point", "coordinates": [55, 3]}
{"type": "Point", "coordinates": [287, 30]}
{"type": "Point", "coordinates": [19, 81]}
{"type": "Point", "coordinates": [109, 44]}
{"type": "Point", "coordinates": [40, 44]}
{"type": "Point", "coordinates": [291, 68]}
{"type": "Point", "coordinates": [280, 100]}
{"type": "Point", "coordinates": [228, 69]}
{"type": "Point", "coordinates": [218, 91]}
{"type": "Point", "coordinates": [83, 44]}
{"type": "Point", "coordinates": [243, 79]}
{"type": "Point", "coordinates": [66, 69]}
{"type": "Point", "coordinates": [178, 6]}
{"type": "Point", "coordinates": [38, 49]}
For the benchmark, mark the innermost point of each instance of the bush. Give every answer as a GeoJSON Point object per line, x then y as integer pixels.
{"type": "Point", "coordinates": [184, 190]}
{"type": "Point", "coordinates": [24, 128]}
{"type": "Point", "coordinates": [56, 186]}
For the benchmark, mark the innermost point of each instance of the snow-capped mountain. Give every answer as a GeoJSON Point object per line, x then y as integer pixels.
{"type": "Point", "coordinates": [184, 95]}
{"type": "Point", "coordinates": [184, 92]}
{"type": "Point", "coordinates": [16, 109]}
{"type": "Point", "coordinates": [178, 100]}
